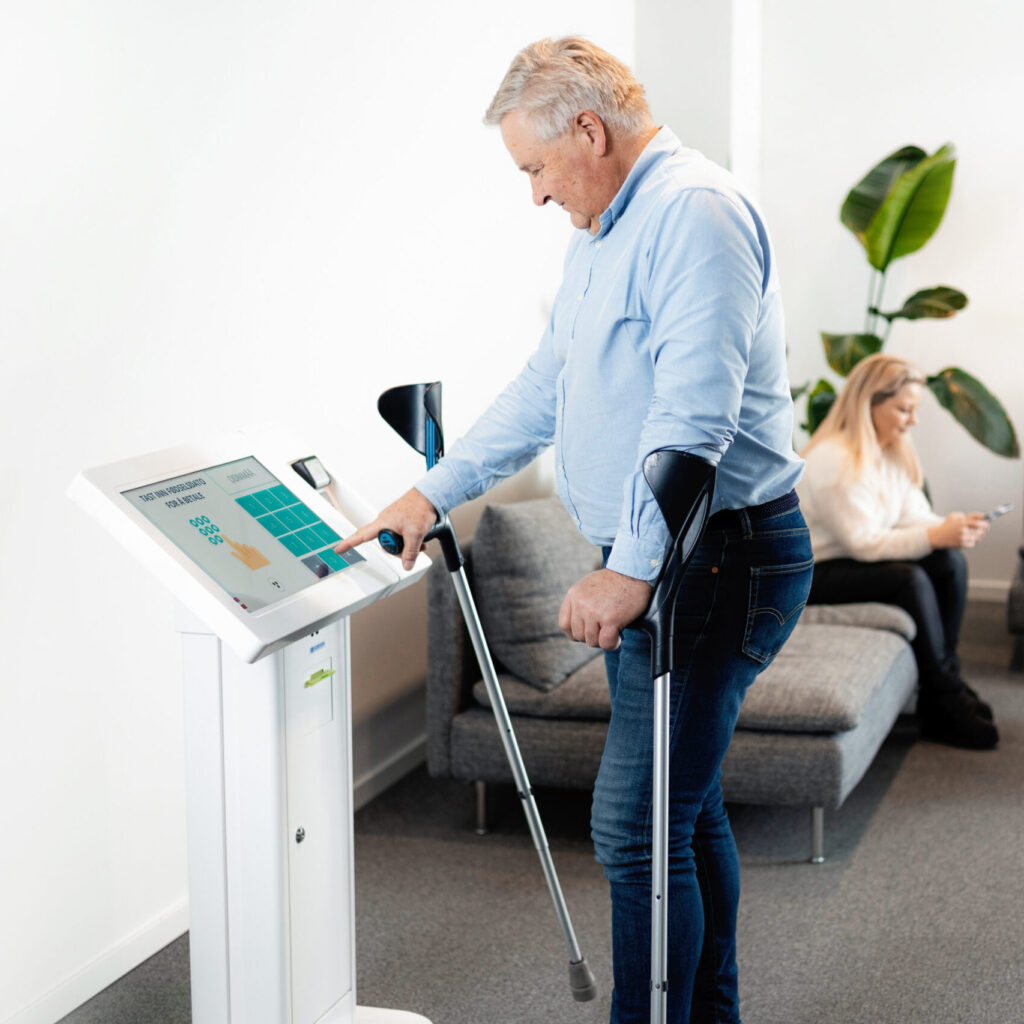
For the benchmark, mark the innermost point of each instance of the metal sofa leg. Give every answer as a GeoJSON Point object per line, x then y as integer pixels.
{"type": "Point", "coordinates": [817, 835]}
{"type": "Point", "coordinates": [481, 807]}
{"type": "Point", "coordinates": [1017, 656]}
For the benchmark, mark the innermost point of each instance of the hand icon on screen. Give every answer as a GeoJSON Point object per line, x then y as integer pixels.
{"type": "Point", "coordinates": [247, 554]}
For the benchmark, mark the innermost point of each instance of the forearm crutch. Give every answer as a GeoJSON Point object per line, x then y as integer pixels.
{"type": "Point", "coordinates": [683, 486]}
{"type": "Point", "coordinates": [414, 412]}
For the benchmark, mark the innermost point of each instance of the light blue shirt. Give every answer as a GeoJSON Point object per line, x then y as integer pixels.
{"type": "Point", "coordinates": [667, 332]}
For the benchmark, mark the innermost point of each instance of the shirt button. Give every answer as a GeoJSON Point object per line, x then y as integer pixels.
{"type": "Point", "coordinates": [580, 296]}
{"type": "Point", "coordinates": [597, 245]}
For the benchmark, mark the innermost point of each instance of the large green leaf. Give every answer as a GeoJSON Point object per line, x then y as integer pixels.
{"type": "Point", "coordinates": [845, 351]}
{"type": "Point", "coordinates": [913, 209]}
{"type": "Point", "coordinates": [976, 409]}
{"type": "Point", "coordinates": [867, 196]}
{"type": "Point", "coordinates": [940, 302]}
{"type": "Point", "coordinates": [819, 401]}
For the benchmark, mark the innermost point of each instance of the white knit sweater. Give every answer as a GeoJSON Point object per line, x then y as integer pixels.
{"type": "Point", "coordinates": [882, 516]}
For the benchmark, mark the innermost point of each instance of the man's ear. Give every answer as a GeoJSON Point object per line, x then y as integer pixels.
{"type": "Point", "coordinates": [590, 131]}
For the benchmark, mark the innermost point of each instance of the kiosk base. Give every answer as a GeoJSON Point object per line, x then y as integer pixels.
{"type": "Point", "coordinates": [268, 760]}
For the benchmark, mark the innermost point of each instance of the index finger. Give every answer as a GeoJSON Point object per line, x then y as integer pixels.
{"type": "Point", "coordinates": [361, 536]}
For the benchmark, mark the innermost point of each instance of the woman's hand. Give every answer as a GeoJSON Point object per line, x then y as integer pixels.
{"type": "Point", "coordinates": [958, 530]}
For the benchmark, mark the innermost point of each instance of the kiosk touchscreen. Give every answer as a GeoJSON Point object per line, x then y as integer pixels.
{"type": "Point", "coordinates": [245, 529]}
{"type": "Point", "coordinates": [241, 538]}
{"type": "Point", "coordinates": [242, 534]}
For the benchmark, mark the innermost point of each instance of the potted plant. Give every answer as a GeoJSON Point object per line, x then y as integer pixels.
{"type": "Point", "coordinates": [893, 211]}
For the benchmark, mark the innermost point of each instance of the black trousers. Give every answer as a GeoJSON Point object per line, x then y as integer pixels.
{"type": "Point", "coordinates": [933, 591]}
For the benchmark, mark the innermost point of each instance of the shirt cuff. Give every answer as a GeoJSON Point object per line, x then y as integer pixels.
{"type": "Point", "coordinates": [440, 488]}
{"type": "Point", "coordinates": [631, 556]}
{"type": "Point", "coordinates": [923, 545]}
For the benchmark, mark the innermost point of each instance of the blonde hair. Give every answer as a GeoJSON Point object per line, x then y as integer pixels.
{"type": "Point", "coordinates": [872, 381]}
{"type": "Point", "coordinates": [552, 80]}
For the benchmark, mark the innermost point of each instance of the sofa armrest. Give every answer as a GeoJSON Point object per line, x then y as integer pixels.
{"type": "Point", "coordinates": [871, 614]}
{"type": "Point", "coordinates": [451, 664]}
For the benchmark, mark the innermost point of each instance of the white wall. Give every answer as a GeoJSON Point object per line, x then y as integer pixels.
{"type": "Point", "coordinates": [213, 215]}
{"type": "Point", "coordinates": [700, 65]}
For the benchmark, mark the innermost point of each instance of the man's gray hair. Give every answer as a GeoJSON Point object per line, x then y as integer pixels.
{"type": "Point", "coordinates": [552, 80]}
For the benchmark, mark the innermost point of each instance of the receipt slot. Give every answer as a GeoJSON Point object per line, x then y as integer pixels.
{"type": "Point", "coordinates": [244, 540]}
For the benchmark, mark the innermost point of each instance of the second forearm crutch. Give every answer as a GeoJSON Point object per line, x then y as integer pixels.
{"type": "Point", "coordinates": [683, 486]}
{"type": "Point", "coordinates": [414, 411]}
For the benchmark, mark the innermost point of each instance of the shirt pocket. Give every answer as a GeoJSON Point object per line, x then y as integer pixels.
{"type": "Point", "coordinates": [777, 595]}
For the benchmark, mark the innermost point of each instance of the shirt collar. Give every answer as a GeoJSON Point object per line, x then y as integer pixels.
{"type": "Point", "coordinates": [661, 145]}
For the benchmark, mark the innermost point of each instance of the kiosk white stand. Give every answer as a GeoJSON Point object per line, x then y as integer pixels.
{"type": "Point", "coordinates": [245, 544]}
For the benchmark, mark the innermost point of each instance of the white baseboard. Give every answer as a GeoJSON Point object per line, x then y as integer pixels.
{"type": "Point", "coordinates": [373, 782]}
{"type": "Point", "coordinates": [81, 985]}
{"type": "Point", "coordinates": [988, 590]}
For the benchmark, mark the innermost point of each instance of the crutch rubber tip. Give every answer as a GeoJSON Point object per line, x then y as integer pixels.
{"type": "Point", "coordinates": [581, 981]}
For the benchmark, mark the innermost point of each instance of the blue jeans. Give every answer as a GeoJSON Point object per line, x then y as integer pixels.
{"type": "Point", "coordinates": [739, 601]}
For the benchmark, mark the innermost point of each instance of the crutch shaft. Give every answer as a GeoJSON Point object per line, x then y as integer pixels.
{"type": "Point", "coordinates": [659, 853]}
{"type": "Point", "coordinates": [514, 757]}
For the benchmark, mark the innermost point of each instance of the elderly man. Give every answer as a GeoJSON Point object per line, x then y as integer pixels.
{"type": "Point", "coordinates": [667, 332]}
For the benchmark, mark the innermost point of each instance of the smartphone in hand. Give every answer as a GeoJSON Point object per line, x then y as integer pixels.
{"type": "Point", "coordinates": [1000, 510]}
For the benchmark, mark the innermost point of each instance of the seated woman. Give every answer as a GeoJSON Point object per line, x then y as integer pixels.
{"type": "Point", "coordinates": [876, 538]}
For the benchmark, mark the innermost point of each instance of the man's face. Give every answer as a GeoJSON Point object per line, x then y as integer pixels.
{"type": "Point", "coordinates": [565, 170]}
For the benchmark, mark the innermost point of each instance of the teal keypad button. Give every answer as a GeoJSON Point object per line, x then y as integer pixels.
{"type": "Point", "coordinates": [334, 560]}
{"type": "Point", "coordinates": [305, 515]}
{"type": "Point", "coordinates": [353, 556]}
{"type": "Point", "coordinates": [289, 518]}
{"type": "Point", "coordinates": [251, 505]}
{"type": "Point", "coordinates": [272, 524]}
{"type": "Point", "coordinates": [309, 537]}
{"type": "Point", "coordinates": [269, 501]}
{"type": "Point", "coordinates": [296, 546]}
{"type": "Point", "coordinates": [283, 495]}
{"type": "Point", "coordinates": [325, 533]}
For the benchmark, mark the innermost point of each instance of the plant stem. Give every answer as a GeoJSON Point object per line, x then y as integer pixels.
{"type": "Point", "coordinates": [876, 301]}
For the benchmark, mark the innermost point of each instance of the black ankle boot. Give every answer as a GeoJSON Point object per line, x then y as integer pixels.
{"type": "Point", "coordinates": [984, 710]}
{"type": "Point", "coordinates": [953, 717]}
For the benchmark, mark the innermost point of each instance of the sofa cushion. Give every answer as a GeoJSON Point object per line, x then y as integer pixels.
{"type": "Point", "coordinates": [822, 679]}
{"type": "Point", "coordinates": [584, 694]}
{"type": "Point", "coordinates": [870, 614]}
{"type": "Point", "coordinates": [525, 557]}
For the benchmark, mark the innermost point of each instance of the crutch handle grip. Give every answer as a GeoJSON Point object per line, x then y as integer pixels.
{"type": "Point", "coordinates": [683, 486]}
{"type": "Point", "coordinates": [393, 543]}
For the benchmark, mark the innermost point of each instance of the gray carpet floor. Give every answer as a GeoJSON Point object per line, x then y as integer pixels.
{"type": "Point", "coordinates": [917, 917]}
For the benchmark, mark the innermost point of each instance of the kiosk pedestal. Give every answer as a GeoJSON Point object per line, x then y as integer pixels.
{"type": "Point", "coordinates": [267, 714]}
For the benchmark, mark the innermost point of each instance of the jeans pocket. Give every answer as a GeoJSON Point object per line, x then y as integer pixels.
{"type": "Point", "coordinates": [778, 594]}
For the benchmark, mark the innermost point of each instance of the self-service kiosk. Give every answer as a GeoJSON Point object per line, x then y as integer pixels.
{"type": "Point", "coordinates": [241, 534]}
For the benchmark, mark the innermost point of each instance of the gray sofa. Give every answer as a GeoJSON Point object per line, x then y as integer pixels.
{"type": "Point", "coordinates": [809, 728]}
